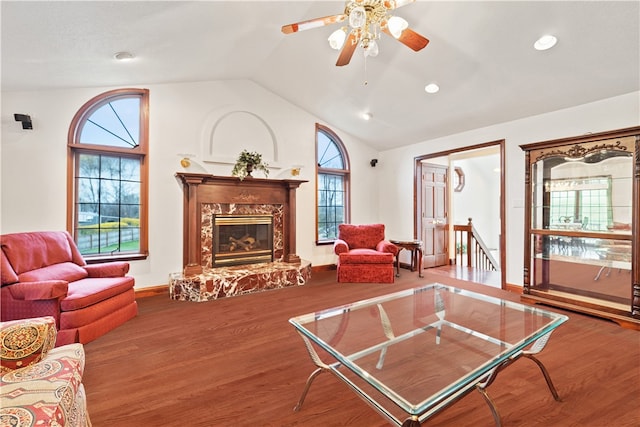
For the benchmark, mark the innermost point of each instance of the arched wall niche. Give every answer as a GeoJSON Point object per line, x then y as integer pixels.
{"type": "Point", "coordinates": [229, 132]}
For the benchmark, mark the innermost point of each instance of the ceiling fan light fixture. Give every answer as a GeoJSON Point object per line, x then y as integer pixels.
{"type": "Point", "coordinates": [364, 22]}
{"type": "Point", "coordinates": [396, 26]}
{"type": "Point", "coordinates": [371, 49]}
{"type": "Point", "coordinates": [545, 42]}
{"type": "Point", "coordinates": [337, 38]}
{"type": "Point", "coordinates": [357, 17]}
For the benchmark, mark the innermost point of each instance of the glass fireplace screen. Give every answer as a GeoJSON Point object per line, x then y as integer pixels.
{"type": "Point", "coordinates": [242, 239]}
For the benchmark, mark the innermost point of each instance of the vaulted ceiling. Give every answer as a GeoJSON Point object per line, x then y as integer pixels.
{"type": "Point", "coordinates": [480, 54]}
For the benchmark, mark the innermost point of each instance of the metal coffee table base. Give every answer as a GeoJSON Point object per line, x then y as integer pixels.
{"type": "Point", "coordinates": [415, 420]}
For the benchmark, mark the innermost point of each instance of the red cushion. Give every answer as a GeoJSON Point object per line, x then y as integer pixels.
{"type": "Point", "coordinates": [108, 269]}
{"type": "Point", "coordinates": [365, 256]}
{"type": "Point", "coordinates": [361, 236]}
{"type": "Point", "coordinates": [64, 271]}
{"type": "Point", "coordinates": [366, 273]}
{"type": "Point", "coordinates": [30, 251]}
{"type": "Point", "coordinates": [32, 291]}
{"type": "Point", "coordinates": [86, 292]}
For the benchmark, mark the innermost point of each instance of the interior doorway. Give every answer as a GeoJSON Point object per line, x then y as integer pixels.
{"type": "Point", "coordinates": [434, 214]}
{"type": "Point", "coordinates": [450, 188]}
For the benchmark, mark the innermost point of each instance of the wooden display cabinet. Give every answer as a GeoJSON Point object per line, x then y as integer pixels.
{"type": "Point", "coordinates": [581, 224]}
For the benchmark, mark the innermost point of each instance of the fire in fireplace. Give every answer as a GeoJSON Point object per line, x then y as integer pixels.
{"type": "Point", "coordinates": [242, 239]}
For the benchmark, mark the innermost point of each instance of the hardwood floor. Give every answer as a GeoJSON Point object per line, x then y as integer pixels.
{"type": "Point", "coordinates": [238, 362]}
{"type": "Point", "coordinates": [489, 278]}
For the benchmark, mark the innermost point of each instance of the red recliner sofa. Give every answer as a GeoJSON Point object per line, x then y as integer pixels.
{"type": "Point", "coordinates": [364, 256]}
{"type": "Point", "coordinates": [44, 274]}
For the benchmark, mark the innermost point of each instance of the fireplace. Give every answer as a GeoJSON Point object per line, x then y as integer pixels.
{"type": "Point", "coordinates": [208, 195]}
{"type": "Point", "coordinates": [242, 239]}
{"type": "Point", "coordinates": [258, 216]}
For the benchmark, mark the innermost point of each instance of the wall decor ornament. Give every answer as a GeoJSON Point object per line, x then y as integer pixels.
{"type": "Point", "coordinates": [247, 162]}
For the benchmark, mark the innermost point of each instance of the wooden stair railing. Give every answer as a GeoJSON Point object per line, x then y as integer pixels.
{"type": "Point", "coordinates": [471, 249]}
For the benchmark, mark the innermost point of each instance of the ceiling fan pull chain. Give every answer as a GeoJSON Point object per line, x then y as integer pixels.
{"type": "Point", "coordinates": [365, 71]}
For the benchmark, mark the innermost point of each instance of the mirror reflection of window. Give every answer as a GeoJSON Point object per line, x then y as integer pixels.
{"type": "Point", "coordinates": [581, 203]}
{"type": "Point", "coordinates": [590, 196]}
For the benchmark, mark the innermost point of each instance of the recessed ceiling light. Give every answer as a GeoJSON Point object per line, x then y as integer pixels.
{"type": "Point", "coordinates": [123, 56]}
{"type": "Point", "coordinates": [545, 42]}
{"type": "Point", "coordinates": [367, 116]}
{"type": "Point", "coordinates": [432, 88]}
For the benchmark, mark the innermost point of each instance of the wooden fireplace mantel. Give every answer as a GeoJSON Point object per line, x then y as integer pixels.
{"type": "Point", "coordinates": [200, 189]}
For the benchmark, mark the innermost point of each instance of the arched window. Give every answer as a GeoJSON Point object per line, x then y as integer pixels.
{"type": "Point", "coordinates": [107, 175]}
{"type": "Point", "coordinates": [332, 173]}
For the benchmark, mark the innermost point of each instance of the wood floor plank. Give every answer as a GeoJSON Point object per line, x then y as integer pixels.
{"type": "Point", "coordinates": [238, 362]}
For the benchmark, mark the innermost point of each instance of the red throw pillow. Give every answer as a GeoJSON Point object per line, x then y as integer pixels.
{"type": "Point", "coordinates": [25, 342]}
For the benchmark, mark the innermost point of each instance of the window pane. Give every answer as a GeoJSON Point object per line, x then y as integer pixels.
{"type": "Point", "coordinates": [88, 190]}
{"type": "Point", "coordinates": [130, 169]}
{"type": "Point", "coordinates": [88, 214]}
{"type": "Point", "coordinates": [328, 153]}
{"type": "Point", "coordinates": [330, 205]}
{"type": "Point", "coordinates": [108, 207]}
{"type": "Point", "coordinates": [89, 165]}
{"type": "Point", "coordinates": [130, 192]}
{"type": "Point", "coordinates": [116, 124]}
{"type": "Point", "coordinates": [109, 191]}
{"type": "Point", "coordinates": [110, 167]}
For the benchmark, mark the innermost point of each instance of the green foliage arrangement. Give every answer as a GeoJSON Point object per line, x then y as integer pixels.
{"type": "Point", "coordinates": [247, 162]}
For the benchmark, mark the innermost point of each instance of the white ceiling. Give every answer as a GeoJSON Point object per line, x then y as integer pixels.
{"type": "Point", "coordinates": [480, 53]}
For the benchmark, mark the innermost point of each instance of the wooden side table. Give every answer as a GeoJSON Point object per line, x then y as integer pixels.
{"type": "Point", "coordinates": [415, 246]}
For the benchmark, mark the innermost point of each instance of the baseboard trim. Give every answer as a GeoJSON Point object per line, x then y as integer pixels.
{"type": "Point", "coordinates": [152, 291]}
{"type": "Point", "coordinates": [516, 289]}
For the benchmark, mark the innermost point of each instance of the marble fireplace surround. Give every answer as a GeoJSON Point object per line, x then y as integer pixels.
{"type": "Point", "coordinates": [206, 194]}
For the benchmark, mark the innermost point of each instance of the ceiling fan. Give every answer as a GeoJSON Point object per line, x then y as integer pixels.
{"type": "Point", "coordinates": [367, 19]}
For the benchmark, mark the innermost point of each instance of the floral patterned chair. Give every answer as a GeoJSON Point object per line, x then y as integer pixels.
{"type": "Point", "coordinates": [40, 385]}
{"type": "Point", "coordinates": [364, 256]}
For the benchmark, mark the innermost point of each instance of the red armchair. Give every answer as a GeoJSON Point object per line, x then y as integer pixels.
{"type": "Point", "coordinates": [44, 274]}
{"type": "Point", "coordinates": [364, 256]}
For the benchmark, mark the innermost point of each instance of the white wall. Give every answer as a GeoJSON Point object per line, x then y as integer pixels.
{"type": "Point", "coordinates": [33, 175]}
{"type": "Point", "coordinates": [480, 197]}
{"type": "Point", "coordinates": [396, 178]}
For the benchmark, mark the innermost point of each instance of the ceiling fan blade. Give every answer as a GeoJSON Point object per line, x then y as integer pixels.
{"type": "Point", "coordinates": [394, 4]}
{"type": "Point", "coordinates": [312, 23]}
{"type": "Point", "coordinates": [411, 39]}
{"type": "Point", "coordinates": [347, 50]}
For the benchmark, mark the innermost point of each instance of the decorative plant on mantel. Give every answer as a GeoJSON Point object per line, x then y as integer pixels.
{"type": "Point", "coordinates": [247, 162]}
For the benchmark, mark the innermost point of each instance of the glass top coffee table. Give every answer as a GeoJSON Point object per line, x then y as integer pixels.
{"type": "Point", "coordinates": [412, 353]}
